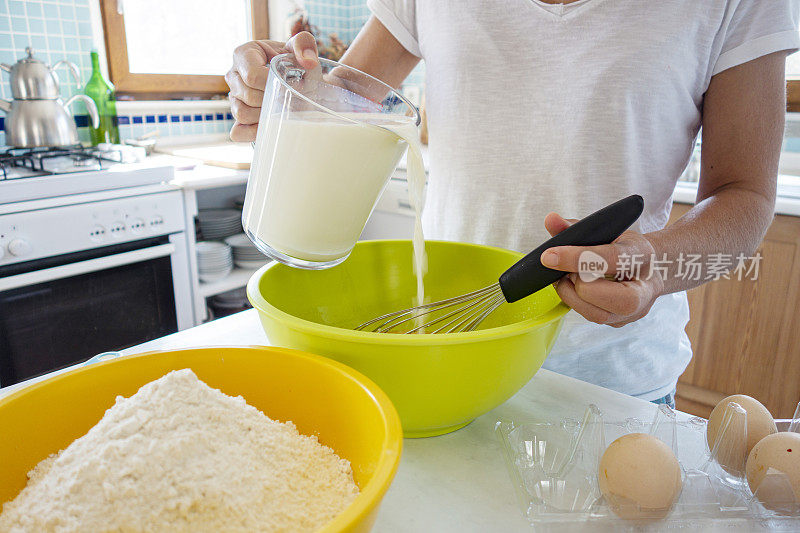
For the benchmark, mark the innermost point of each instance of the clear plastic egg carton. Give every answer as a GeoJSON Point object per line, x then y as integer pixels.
{"type": "Point", "coordinates": [554, 467]}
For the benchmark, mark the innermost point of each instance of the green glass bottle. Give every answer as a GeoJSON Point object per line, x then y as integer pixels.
{"type": "Point", "coordinates": [102, 92]}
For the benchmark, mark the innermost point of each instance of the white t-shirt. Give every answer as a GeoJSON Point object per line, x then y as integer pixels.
{"type": "Point", "coordinates": [535, 107]}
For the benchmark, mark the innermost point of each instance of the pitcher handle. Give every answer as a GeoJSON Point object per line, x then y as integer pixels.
{"type": "Point", "coordinates": [73, 68]}
{"type": "Point", "coordinates": [90, 107]}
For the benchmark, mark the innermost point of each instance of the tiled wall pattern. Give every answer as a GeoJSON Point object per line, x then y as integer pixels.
{"type": "Point", "coordinates": [55, 29]}
{"type": "Point", "coordinates": [345, 18]}
{"type": "Point", "coordinates": [170, 124]}
{"type": "Point", "coordinates": [342, 17]}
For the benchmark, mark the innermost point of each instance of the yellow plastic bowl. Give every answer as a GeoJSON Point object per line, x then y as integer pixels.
{"type": "Point", "coordinates": [347, 411]}
{"type": "Point", "coordinates": [438, 383]}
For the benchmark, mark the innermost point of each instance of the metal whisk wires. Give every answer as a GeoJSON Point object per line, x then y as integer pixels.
{"type": "Point", "coordinates": [454, 315]}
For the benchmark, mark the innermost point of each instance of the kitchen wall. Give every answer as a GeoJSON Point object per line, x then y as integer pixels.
{"type": "Point", "coordinates": [62, 29]}
{"type": "Point", "coordinates": [54, 29]}
{"type": "Point", "coordinates": [344, 18]}
{"type": "Point", "coordinates": [201, 117]}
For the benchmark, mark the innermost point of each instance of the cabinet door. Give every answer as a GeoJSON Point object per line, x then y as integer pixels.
{"type": "Point", "coordinates": [746, 333]}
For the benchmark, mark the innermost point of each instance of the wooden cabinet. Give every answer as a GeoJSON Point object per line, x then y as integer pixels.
{"type": "Point", "coordinates": [746, 334]}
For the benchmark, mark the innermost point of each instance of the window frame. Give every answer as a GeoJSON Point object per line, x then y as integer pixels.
{"type": "Point", "coordinates": [164, 86]}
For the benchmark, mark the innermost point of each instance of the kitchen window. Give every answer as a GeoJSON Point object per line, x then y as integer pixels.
{"type": "Point", "coordinates": [178, 48]}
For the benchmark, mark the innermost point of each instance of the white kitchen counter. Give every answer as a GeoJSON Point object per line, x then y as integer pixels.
{"type": "Point", "coordinates": [452, 483]}
{"type": "Point", "coordinates": [208, 177]}
{"type": "Point", "coordinates": [457, 482]}
{"type": "Point", "coordinates": [192, 174]}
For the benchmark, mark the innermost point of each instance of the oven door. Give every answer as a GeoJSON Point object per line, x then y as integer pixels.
{"type": "Point", "coordinates": [58, 311]}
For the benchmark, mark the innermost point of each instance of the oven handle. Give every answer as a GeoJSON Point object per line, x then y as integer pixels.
{"type": "Point", "coordinates": [85, 267]}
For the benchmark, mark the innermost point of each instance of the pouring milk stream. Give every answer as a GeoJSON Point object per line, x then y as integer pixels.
{"type": "Point", "coordinates": [317, 174]}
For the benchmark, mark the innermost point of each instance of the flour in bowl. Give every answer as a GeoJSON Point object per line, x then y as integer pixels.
{"type": "Point", "coordinates": [181, 456]}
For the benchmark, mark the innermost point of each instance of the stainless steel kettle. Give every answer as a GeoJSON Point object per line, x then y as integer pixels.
{"type": "Point", "coordinates": [32, 79]}
{"type": "Point", "coordinates": [36, 116]}
{"type": "Point", "coordinates": [32, 123]}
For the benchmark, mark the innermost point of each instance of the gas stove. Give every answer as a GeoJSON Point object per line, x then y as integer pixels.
{"type": "Point", "coordinates": [36, 173]}
{"type": "Point", "coordinates": [17, 163]}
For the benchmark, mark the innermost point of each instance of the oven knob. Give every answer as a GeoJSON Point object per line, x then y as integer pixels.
{"type": "Point", "coordinates": [137, 225]}
{"type": "Point", "coordinates": [19, 248]}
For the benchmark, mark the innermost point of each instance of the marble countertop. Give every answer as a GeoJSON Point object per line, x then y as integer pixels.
{"type": "Point", "coordinates": [453, 483]}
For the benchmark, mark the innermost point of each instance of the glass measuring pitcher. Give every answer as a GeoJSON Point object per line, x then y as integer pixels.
{"type": "Point", "coordinates": [328, 140]}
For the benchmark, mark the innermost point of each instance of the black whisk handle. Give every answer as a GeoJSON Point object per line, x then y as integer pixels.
{"type": "Point", "coordinates": [528, 275]}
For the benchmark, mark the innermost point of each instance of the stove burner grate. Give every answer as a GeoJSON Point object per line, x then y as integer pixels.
{"type": "Point", "coordinates": [34, 159]}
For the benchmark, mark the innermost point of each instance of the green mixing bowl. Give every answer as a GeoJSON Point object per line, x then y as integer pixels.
{"type": "Point", "coordinates": [438, 383]}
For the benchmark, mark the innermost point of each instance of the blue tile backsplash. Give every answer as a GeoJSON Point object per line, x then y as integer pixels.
{"type": "Point", "coordinates": [55, 31]}
{"type": "Point", "coordinates": [136, 125]}
{"type": "Point", "coordinates": [342, 17]}
{"type": "Point", "coordinates": [345, 18]}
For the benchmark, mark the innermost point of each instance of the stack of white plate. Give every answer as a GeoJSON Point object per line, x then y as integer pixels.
{"type": "Point", "coordinates": [214, 261]}
{"type": "Point", "coordinates": [216, 224]}
{"type": "Point", "coordinates": [245, 254]}
{"type": "Point", "coordinates": [229, 302]}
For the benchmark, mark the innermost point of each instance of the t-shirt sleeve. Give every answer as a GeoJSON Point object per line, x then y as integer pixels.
{"type": "Point", "coordinates": [756, 28]}
{"type": "Point", "coordinates": [400, 18]}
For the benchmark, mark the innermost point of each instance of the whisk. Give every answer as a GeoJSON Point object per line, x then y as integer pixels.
{"type": "Point", "coordinates": [466, 312]}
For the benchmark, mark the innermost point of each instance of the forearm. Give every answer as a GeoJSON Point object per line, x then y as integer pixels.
{"type": "Point", "coordinates": [743, 116]}
{"type": "Point", "coordinates": [378, 53]}
{"type": "Point", "coordinates": [730, 221]}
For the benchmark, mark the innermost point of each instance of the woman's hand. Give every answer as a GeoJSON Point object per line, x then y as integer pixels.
{"type": "Point", "coordinates": [248, 77]}
{"type": "Point", "coordinates": [614, 302]}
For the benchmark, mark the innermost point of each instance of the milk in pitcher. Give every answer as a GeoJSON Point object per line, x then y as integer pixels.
{"type": "Point", "coordinates": [319, 182]}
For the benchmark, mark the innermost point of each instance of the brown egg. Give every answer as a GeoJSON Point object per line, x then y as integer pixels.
{"type": "Point", "coordinates": [781, 453]}
{"type": "Point", "coordinates": [639, 477]}
{"type": "Point", "coordinates": [732, 455]}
